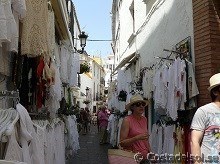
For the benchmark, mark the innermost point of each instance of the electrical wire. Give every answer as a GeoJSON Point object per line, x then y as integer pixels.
{"type": "Point", "coordinates": [97, 40]}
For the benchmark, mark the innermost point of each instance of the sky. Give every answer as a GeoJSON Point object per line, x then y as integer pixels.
{"type": "Point", "coordinates": [95, 19]}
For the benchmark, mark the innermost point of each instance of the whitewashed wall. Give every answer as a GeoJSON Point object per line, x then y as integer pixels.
{"type": "Point", "coordinates": [85, 82]}
{"type": "Point", "coordinates": [96, 78]}
{"type": "Point", "coordinates": [170, 23]}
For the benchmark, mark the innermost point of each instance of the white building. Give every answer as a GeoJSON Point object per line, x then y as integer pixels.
{"type": "Point", "coordinates": [142, 30]}
{"type": "Point", "coordinates": [109, 66]}
{"type": "Point", "coordinates": [154, 25]}
{"type": "Point", "coordinates": [98, 81]}
{"type": "Point", "coordinates": [91, 83]}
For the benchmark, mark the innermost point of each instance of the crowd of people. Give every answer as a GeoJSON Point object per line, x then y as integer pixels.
{"type": "Point", "coordinates": [134, 136]}
{"type": "Point", "coordinates": [100, 119]}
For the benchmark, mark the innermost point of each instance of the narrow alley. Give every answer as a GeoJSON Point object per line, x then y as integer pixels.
{"type": "Point", "coordinates": [90, 151]}
{"type": "Point", "coordinates": [146, 72]}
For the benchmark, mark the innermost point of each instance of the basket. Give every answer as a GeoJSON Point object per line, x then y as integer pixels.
{"type": "Point", "coordinates": [119, 156]}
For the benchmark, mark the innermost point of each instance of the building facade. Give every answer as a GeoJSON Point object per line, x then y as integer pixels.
{"type": "Point", "coordinates": [153, 37]}
{"type": "Point", "coordinates": [109, 66]}
{"type": "Point", "coordinates": [157, 26]}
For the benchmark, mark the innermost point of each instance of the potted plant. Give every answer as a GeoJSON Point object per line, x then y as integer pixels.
{"type": "Point", "coordinates": [86, 101]}
{"type": "Point", "coordinates": [84, 67]}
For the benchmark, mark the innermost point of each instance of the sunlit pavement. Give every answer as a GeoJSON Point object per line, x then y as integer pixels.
{"type": "Point", "coordinates": [90, 151]}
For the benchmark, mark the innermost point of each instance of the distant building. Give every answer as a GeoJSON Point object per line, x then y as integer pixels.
{"type": "Point", "coordinates": [98, 82]}
{"type": "Point", "coordinates": [109, 66]}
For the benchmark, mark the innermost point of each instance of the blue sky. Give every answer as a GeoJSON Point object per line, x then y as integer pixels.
{"type": "Point", "coordinates": [95, 19]}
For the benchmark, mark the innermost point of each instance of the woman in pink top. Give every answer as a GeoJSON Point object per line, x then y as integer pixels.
{"type": "Point", "coordinates": [134, 134]}
{"type": "Point", "coordinates": [103, 123]}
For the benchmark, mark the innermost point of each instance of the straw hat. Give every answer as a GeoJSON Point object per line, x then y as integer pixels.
{"type": "Point", "coordinates": [134, 99]}
{"type": "Point", "coordinates": [214, 81]}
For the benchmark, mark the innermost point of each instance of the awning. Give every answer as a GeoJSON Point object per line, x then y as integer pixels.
{"type": "Point", "coordinates": [128, 60]}
{"type": "Point", "coordinates": [89, 74]}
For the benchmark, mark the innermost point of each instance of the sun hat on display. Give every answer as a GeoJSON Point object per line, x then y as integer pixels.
{"type": "Point", "coordinates": [214, 81]}
{"type": "Point", "coordinates": [134, 99]}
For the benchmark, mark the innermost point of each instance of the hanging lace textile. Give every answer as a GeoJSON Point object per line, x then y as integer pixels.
{"type": "Point", "coordinates": [54, 94]}
{"type": "Point", "coordinates": [8, 27]}
{"type": "Point", "coordinates": [64, 58]}
{"type": "Point", "coordinates": [51, 32]}
{"type": "Point", "coordinates": [19, 12]}
{"type": "Point", "coordinates": [34, 35]}
{"type": "Point", "coordinates": [74, 68]}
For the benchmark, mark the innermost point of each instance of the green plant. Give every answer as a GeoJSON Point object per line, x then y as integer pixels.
{"type": "Point", "coordinates": [86, 101]}
{"type": "Point", "coordinates": [84, 67]}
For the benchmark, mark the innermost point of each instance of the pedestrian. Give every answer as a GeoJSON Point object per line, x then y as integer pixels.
{"type": "Point", "coordinates": [98, 122]}
{"type": "Point", "coordinates": [103, 123]}
{"type": "Point", "coordinates": [84, 119]}
{"type": "Point", "coordinates": [110, 130]}
{"type": "Point", "coordinates": [134, 133]}
{"type": "Point", "coordinates": [88, 118]}
{"type": "Point", "coordinates": [205, 134]}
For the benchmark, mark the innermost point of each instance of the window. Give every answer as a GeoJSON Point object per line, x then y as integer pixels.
{"type": "Point", "coordinates": [110, 66]}
{"type": "Point", "coordinates": [119, 3]}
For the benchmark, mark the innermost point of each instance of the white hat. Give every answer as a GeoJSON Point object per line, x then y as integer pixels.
{"type": "Point", "coordinates": [134, 99]}
{"type": "Point", "coordinates": [214, 81]}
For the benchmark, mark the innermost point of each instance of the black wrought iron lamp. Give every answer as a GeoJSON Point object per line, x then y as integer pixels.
{"type": "Point", "coordinates": [87, 92]}
{"type": "Point", "coordinates": [82, 38]}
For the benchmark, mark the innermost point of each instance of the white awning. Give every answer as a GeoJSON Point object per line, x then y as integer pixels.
{"type": "Point", "coordinates": [128, 60]}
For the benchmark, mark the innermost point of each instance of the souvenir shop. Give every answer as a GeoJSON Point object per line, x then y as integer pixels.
{"type": "Point", "coordinates": [169, 84]}
{"type": "Point", "coordinates": [35, 66]}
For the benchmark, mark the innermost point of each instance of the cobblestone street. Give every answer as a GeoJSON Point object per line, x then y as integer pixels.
{"type": "Point", "coordinates": [90, 151]}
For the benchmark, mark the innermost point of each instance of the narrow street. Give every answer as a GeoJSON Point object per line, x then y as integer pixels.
{"type": "Point", "coordinates": [90, 151]}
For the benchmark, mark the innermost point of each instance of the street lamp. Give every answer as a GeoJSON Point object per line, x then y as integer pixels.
{"type": "Point", "coordinates": [87, 92]}
{"type": "Point", "coordinates": [82, 38]}
{"type": "Point", "coordinates": [87, 99]}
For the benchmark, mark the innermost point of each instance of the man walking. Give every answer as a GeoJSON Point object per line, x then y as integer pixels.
{"type": "Point", "coordinates": [84, 116]}
{"type": "Point", "coordinates": [205, 136]}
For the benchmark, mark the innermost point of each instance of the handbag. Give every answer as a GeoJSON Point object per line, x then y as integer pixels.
{"type": "Point", "coordinates": [119, 156]}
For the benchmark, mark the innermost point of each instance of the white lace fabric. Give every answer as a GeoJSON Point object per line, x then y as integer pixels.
{"type": "Point", "coordinates": [3, 25]}
{"type": "Point", "coordinates": [14, 151]}
{"type": "Point", "coordinates": [34, 39]}
{"type": "Point", "coordinates": [8, 27]}
{"type": "Point", "coordinates": [51, 32]}
{"type": "Point", "coordinates": [20, 7]}
{"type": "Point", "coordinates": [72, 136]}
{"type": "Point", "coordinates": [64, 58]}
{"type": "Point", "coordinates": [74, 68]}
{"type": "Point", "coordinates": [28, 135]}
